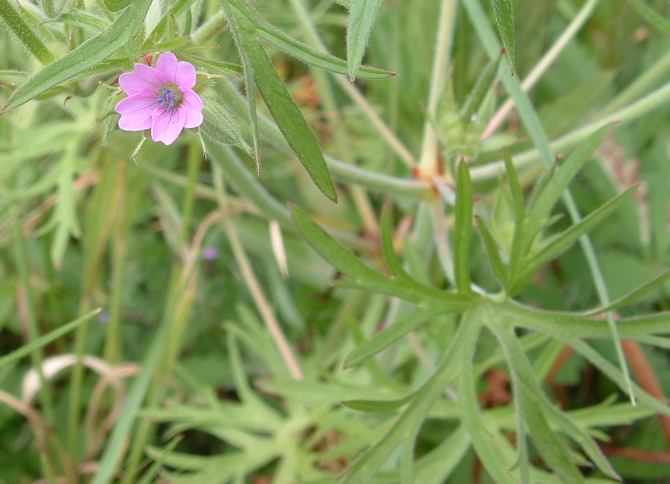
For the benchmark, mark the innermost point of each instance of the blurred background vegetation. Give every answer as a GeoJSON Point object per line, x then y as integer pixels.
{"type": "Point", "coordinates": [92, 219]}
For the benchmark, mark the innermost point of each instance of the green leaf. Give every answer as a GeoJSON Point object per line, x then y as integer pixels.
{"type": "Point", "coordinates": [518, 203]}
{"type": "Point", "coordinates": [388, 336]}
{"type": "Point", "coordinates": [473, 420]}
{"type": "Point", "coordinates": [24, 33]}
{"type": "Point", "coordinates": [85, 57]}
{"type": "Point", "coordinates": [560, 243]}
{"type": "Point", "coordinates": [655, 19]}
{"type": "Point", "coordinates": [493, 253]}
{"type": "Point", "coordinates": [405, 429]}
{"type": "Point", "coordinates": [362, 15]}
{"type": "Point", "coordinates": [243, 32]}
{"type": "Point", "coordinates": [634, 295]}
{"type": "Point", "coordinates": [285, 112]}
{"type": "Point", "coordinates": [340, 257]}
{"type": "Point", "coordinates": [378, 406]}
{"type": "Point", "coordinates": [559, 182]}
{"type": "Point", "coordinates": [481, 89]}
{"type": "Point", "coordinates": [616, 376]}
{"type": "Point", "coordinates": [551, 448]}
{"type": "Point", "coordinates": [520, 364]}
{"type": "Point", "coordinates": [504, 13]}
{"type": "Point", "coordinates": [363, 276]}
{"type": "Point", "coordinates": [44, 340]}
{"type": "Point", "coordinates": [116, 5]}
{"type": "Point", "coordinates": [303, 52]}
{"type": "Point", "coordinates": [463, 228]}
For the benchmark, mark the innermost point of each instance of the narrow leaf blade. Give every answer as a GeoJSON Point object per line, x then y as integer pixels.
{"type": "Point", "coordinates": [362, 17]}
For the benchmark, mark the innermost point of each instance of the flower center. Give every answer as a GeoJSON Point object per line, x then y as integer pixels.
{"type": "Point", "coordinates": [169, 97]}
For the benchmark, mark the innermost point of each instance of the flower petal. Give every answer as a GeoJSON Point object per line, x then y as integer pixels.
{"type": "Point", "coordinates": [143, 79]}
{"type": "Point", "coordinates": [192, 106]}
{"type": "Point", "coordinates": [167, 125]}
{"type": "Point", "coordinates": [137, 102]}
{"type": "Point", "coordinates": [138, 121]}
{"type": "Point", "coordinates": [167, 67]}
{"type": "Point", "coordinates": [186, 76]}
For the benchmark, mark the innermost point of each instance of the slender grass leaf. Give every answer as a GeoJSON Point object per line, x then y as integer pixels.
{"type": "Point", "coordinates": [634, 295]}
{"type": "Point", "coordinates": [504, 14]}
{"type": "Point", "coordinates": [116, 445]}
{"type": "Point", "coordinates": [654, 18]}
{"type": "Point", "coordinates": [388, 336]}
{"type": "Point", "coordinates": [24, 33]}
{"type": "Point", "coordinates": [558, 244]}
{"type": "Point", "coordinates": [463, 228]}
{"type": "Point", "coordinates": [86, 56]}
{"type": "Point", "coordinates": [45, 340]}
{"type": "Point", "coordinates": [286, 113]}
{"type": "Point", "coordinates": [493, 253]}
{"type": "Point", "coordinates": [362, 15]}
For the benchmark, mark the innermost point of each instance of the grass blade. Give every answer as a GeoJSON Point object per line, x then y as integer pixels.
{"type": "Point", "coordinates": [362, 17]}
{"type": "Point", "coordinates": [45, 340]}
{"type": "Point", "coordinates": [634, 295]}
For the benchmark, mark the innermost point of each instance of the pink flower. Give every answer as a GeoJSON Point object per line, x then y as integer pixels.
{"type": "Point", "coordinates": [160, 98]}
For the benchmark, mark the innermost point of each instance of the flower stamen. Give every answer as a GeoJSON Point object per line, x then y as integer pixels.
{"type": "Point", "coordinates": [169, 97]}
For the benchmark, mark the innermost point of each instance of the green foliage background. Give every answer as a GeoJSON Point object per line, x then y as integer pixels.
{"type": "Point", "coordinates": [351, 272]}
